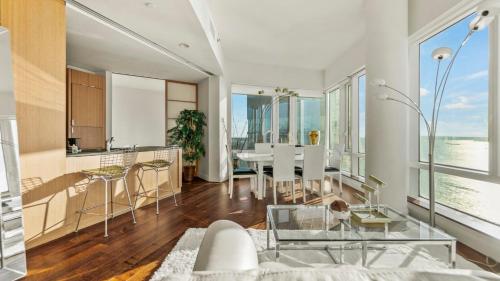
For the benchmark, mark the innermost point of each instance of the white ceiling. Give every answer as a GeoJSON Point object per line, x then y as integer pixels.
{"type": "Point", "coordinates": [297, 33]}
{"type": "Point", "coordinates": [294, 33]}
{"type": "Point", "coordinates": [95, 46]}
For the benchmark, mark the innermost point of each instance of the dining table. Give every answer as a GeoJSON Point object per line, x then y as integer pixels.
{"type": "Point", "coordinates": [260, 160]}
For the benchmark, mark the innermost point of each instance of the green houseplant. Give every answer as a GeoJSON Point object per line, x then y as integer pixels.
{"type": "Point", "coordinates": [188, 134]}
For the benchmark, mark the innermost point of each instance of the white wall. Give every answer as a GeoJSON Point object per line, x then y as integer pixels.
{"type": "Point", "coordinates": [272, 76]}
{"type": "Point", "coordinates": [138, 111]}
{"type": "Point", "coordinates": [212, 101]}
{"type": "Point", "coordinates": [203, 106]}
{"type": "Point", "coordinates": [347, 63]}
{"type": "Point", "coordinates": [421, 12]}
{"type": "Point", "coordinates": [387, 138]}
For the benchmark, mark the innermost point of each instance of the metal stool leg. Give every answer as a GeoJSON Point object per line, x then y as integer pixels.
{"type": "Point", "coordinates": [157, 194]}
{"type": "Point", "coordinates": [139, 190]}
{"type": "Point", "coordinates": [106, 209]}
{"type": "Point", "coordinates": [128, 197]}
{"type": "Point", "coordinates": [172, 187]}
{"type": "Point", "coordinates": [111, 199]}
{"type": "Point", "coordinates": [81, 210]}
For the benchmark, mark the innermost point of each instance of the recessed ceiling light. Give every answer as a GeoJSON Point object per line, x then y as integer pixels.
{"type": "Point", "coordinates": [148, 4]}
{"type": "Point", "coordinates": [184, 45]}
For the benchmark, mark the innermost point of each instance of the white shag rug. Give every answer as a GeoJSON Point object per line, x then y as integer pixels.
{"type": "Point", "coordinates": [182, 257]}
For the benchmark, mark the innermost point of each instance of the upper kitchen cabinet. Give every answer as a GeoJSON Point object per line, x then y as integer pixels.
{"type": "Point", "coordinates": [86, 108]}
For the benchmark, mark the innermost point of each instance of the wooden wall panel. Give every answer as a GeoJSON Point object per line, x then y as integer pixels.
{"type": "Point", "coordinates": [38, 41]}
{"type": "Point", "coordinates": [86, 116]}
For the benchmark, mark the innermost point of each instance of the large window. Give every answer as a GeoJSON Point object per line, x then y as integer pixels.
{"type": "Point", "coordinates": [284, 120]}
{"type": "Point", "coordinates": [251, 121]}
{"type": "Point", "coordinates": [346, 122]}
{"type": "Point", "coordinates": [361, 123]}
{"type": "Point", "coordinates": [267, 118]}
{"type": "Point", "coordinates": [463, 128]}
{"type": "Point", "coordinates": [334, 117]}
{"type": "Point", "coordinates": [310, 115]}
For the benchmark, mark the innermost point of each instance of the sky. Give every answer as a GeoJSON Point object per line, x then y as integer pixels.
{"type": "Point", "coordinates": [464, 109]}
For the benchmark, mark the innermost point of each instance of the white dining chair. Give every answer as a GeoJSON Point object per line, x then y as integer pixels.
{"type": "Point", "coordinates": [239, 173]}
{"type": "Point", "coordinates": [264, 148]}
{"type": "Point", "coordinates": [334, 165]}
{"type": "Point", "coordinates": [283, 168]}
{"type": "Point", "coordinates": [313, 168]}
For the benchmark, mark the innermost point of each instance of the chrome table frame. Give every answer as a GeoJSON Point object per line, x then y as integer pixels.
{"type": "Point", "coordinates": [347, 244]}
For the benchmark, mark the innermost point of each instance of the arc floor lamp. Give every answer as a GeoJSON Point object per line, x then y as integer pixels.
{"type": "Point", "coordinates": [486, 12]}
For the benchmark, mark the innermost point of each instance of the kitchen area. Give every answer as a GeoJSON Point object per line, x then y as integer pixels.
{"type": "Point", "coordinates": [107, 114]}
{"type": "Point", "coordinates": [85, 88]}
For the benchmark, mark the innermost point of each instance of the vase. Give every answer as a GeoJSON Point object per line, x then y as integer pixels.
{"type": "Point", "coordinates": [314, 136]}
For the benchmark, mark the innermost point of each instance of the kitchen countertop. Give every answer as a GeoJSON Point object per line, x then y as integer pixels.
{"type": "Point", "coordinates": [100, 151]}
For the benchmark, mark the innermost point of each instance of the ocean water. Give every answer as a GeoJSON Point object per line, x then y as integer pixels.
{"type": "Point", "coordinates": [478, 198]}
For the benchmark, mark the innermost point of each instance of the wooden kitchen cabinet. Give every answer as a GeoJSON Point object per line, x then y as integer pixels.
{"type": "Point", "coordinates": [86, 108]}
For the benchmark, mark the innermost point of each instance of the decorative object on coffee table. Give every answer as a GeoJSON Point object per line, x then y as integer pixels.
{"type": "Point", "coordinates": [188, 134]}
{"type": "Point", "coordinates": [340, 209]}
{"type": "Point", "coordinates": [369, 216]}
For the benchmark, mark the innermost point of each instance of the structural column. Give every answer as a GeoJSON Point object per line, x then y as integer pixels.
{"type": "Point", "coordinates": [387, 142]}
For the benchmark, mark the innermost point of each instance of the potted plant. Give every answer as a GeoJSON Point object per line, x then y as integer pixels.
{"type": "Point", "coordinates": [187, 134]}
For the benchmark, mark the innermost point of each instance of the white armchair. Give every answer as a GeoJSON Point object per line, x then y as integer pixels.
{"type": "Point", "coordinates": [226, 246]}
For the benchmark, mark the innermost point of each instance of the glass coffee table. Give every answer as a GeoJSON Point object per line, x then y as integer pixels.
{"type": "Point", "coordinates": [315, 227]}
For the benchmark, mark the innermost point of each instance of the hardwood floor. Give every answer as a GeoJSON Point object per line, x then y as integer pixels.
{"type": "Point", "coordinates": [133, 252]}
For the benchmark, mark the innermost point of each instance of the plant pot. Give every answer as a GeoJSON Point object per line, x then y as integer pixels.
{"type": "Point", "coordinates": [188, 173]}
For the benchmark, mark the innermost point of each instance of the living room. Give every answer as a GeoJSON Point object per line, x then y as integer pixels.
{"type": "Point", "coordinates": [249, 140]}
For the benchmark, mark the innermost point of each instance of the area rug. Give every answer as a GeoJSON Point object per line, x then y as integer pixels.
{"type": "Point", "coordinates": [182, 257]}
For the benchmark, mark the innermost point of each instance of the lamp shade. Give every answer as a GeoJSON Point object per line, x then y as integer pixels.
{"type": "Point", "coordinates": [480, 22]}
{"type": "Point", "coordinates": [441, 53]}
{"type": "Point", "coordinates": [378, 82]}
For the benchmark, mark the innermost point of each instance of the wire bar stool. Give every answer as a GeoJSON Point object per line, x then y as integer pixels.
{"type": "Point", "coordinates": [162, 160]}
{"type": "Point", "coordinates": [113, 167]}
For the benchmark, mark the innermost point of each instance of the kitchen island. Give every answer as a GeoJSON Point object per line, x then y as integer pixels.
{"type": "Point", "coordinates": [51, 206]}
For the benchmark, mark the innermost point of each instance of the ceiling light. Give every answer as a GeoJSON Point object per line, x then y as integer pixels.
{"type": "Point", "coordinates": [184, 45]}
{"type": "Point", "coordinates": [148, 4]}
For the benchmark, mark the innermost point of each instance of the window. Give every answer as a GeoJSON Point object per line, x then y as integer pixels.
{"type": "Point", "coordinates": [346, 159]}
{"type": "Point", "coordinates": [310, 115]}
{"type": "Point", "coordinates": [284, 120]}
{"type": "Point", "coordinates": [361, 123]}
{"type": "Point", "coordinates": [346, 122]}
{"type": "Point", "coordinates": [251, 121]}
{"type": "Point", "coordinates": [463, 120]}
{"type": "Point", "coordinates": [334, 117]}
{"type": "Point", "coordinates": [463, 128]}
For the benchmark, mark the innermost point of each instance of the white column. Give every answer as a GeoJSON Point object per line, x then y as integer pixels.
{"type": "Point", "coordinates": [387, 145]}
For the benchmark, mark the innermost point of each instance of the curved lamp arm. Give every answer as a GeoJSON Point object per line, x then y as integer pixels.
{"type": "Point", "coordinates": [416, 109]}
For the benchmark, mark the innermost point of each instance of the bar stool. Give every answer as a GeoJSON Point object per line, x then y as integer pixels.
{"type": "Point", "coordinates": [113, 167]}
{"type": "Point", "coordinates": [162, 160]}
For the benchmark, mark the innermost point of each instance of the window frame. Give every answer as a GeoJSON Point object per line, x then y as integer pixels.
{"type": "Point", "coordinates": [349, 120]}
{"type": "Point", "coordinates": [415, 165]}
